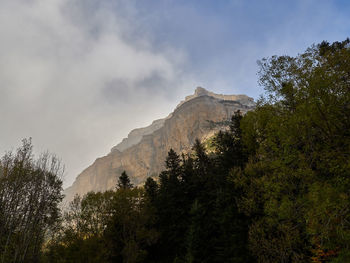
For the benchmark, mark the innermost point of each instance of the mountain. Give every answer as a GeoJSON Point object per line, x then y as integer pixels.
{"type": "Point", "coordinates": [143, 152]}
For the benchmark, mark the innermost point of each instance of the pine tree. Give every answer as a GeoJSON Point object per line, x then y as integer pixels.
{"type": "Point", "coordinates": [124, 181]}
{"type": "Point", "coordinates": [172, 164]}
{"type": "Point", "coordinates": [172, 210]}
{"type": "Point", "coordinates": [201, 161]}
{"type": "Point", "coordinates": [151, 188]}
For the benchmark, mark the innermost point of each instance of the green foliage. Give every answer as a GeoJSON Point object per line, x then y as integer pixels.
{"type": "Point", "coordinates": [296, 183]}
{"type": "Point", "coordinates": [80, 238]}
{"type": "Point", "coordinates": [129, 232]}
{"type": "Point", "coordinates": [114, 226]}
{"type": "Point", "coordinates": [171, 210]}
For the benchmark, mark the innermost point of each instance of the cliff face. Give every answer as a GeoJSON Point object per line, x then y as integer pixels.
{"type": "Point", "coordinates": [143, 153]}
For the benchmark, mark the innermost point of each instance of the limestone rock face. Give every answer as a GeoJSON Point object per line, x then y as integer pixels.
{"type": "Point", "coordinates": [143, 153]}
{"type": "Point", "coordinates": [136, 135]}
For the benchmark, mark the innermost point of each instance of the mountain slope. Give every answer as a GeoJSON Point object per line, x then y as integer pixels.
{"type": "Point", "coordinates": [142, 154]}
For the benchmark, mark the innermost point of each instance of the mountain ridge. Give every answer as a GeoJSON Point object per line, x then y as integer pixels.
{"type": "Point", "coordinates": [135, 135]}
{"type": "Point", "coordinates": [142, 153]}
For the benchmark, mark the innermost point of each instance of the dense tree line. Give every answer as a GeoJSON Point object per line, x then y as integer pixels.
{"type": "Point", "coordinates": [188, 215]}
{"type": "Point", "coordinates": [296, 183]}
{"type": "Point", "coordinates": [273, 187]}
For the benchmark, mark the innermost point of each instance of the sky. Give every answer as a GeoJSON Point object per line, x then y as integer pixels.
{"type": "Point", "coordinates": [78, 75]}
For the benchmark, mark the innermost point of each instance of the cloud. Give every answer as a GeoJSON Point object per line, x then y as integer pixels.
{"type": "Point", "coordinates": [78, 75]}
{"type": "Point", "coordinates": [71, 79]}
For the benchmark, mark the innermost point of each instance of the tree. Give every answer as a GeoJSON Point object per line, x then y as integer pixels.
{"type": "Point", "coordinates": [229, 147]}
{"type": "Point", "coordinates": [80, 237]}
{"type": "Point", "coordinates": [129, 232]}
{"type": "Point", "coordinates": [172, 164]}
{"type": "Point", "coordinates": [296, 185]}
{"type": "Point", "coordinates": [171, 210]}
{"type": "Point", "coordinates": [30, 191]}
{"type": "Point", "coordinates": [201, 160]}
{"type": "Point", "coordinates": [218, 231]}
{"type": "Point", "coordinates": [124, 181]}
{"type": "Point", "coordinates": [151, 188]}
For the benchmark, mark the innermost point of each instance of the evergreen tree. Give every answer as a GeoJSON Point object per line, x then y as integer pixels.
{"type": "Point", "coordinates": [172, 209]}
{"type": "Point", "coordinates": [220, 236]}
{"type": "Point", "coordinates": [201, 160]}
{"type": "Point", "coordinates": [124, 181]}
{"type": "Point", "coordinates": [151, 188]}
{"type": "Point", "coordinates": [129, 233]}
{"type": "Point", "coordinates": [172, 164]}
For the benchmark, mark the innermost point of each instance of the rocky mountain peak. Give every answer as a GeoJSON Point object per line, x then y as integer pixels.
{"type": "Point", "coordinates": [143, 152]}
{"type": "Point", "coordinates": [200, 92]}
{"type": "Point", "coordinates": [135, 136]}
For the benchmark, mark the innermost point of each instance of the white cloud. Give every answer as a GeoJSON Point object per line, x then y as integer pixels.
{"type": "Point", "coordinates": [71, 79]}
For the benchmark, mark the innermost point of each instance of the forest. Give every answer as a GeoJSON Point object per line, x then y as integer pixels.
{"type": "Point", "coordinates": [274, 187]}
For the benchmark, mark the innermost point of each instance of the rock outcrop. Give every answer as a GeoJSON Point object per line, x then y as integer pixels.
{"type": "Point", "coordinates": [142, 154]}
{"type": "Point", "coordinates": [136, 135]}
